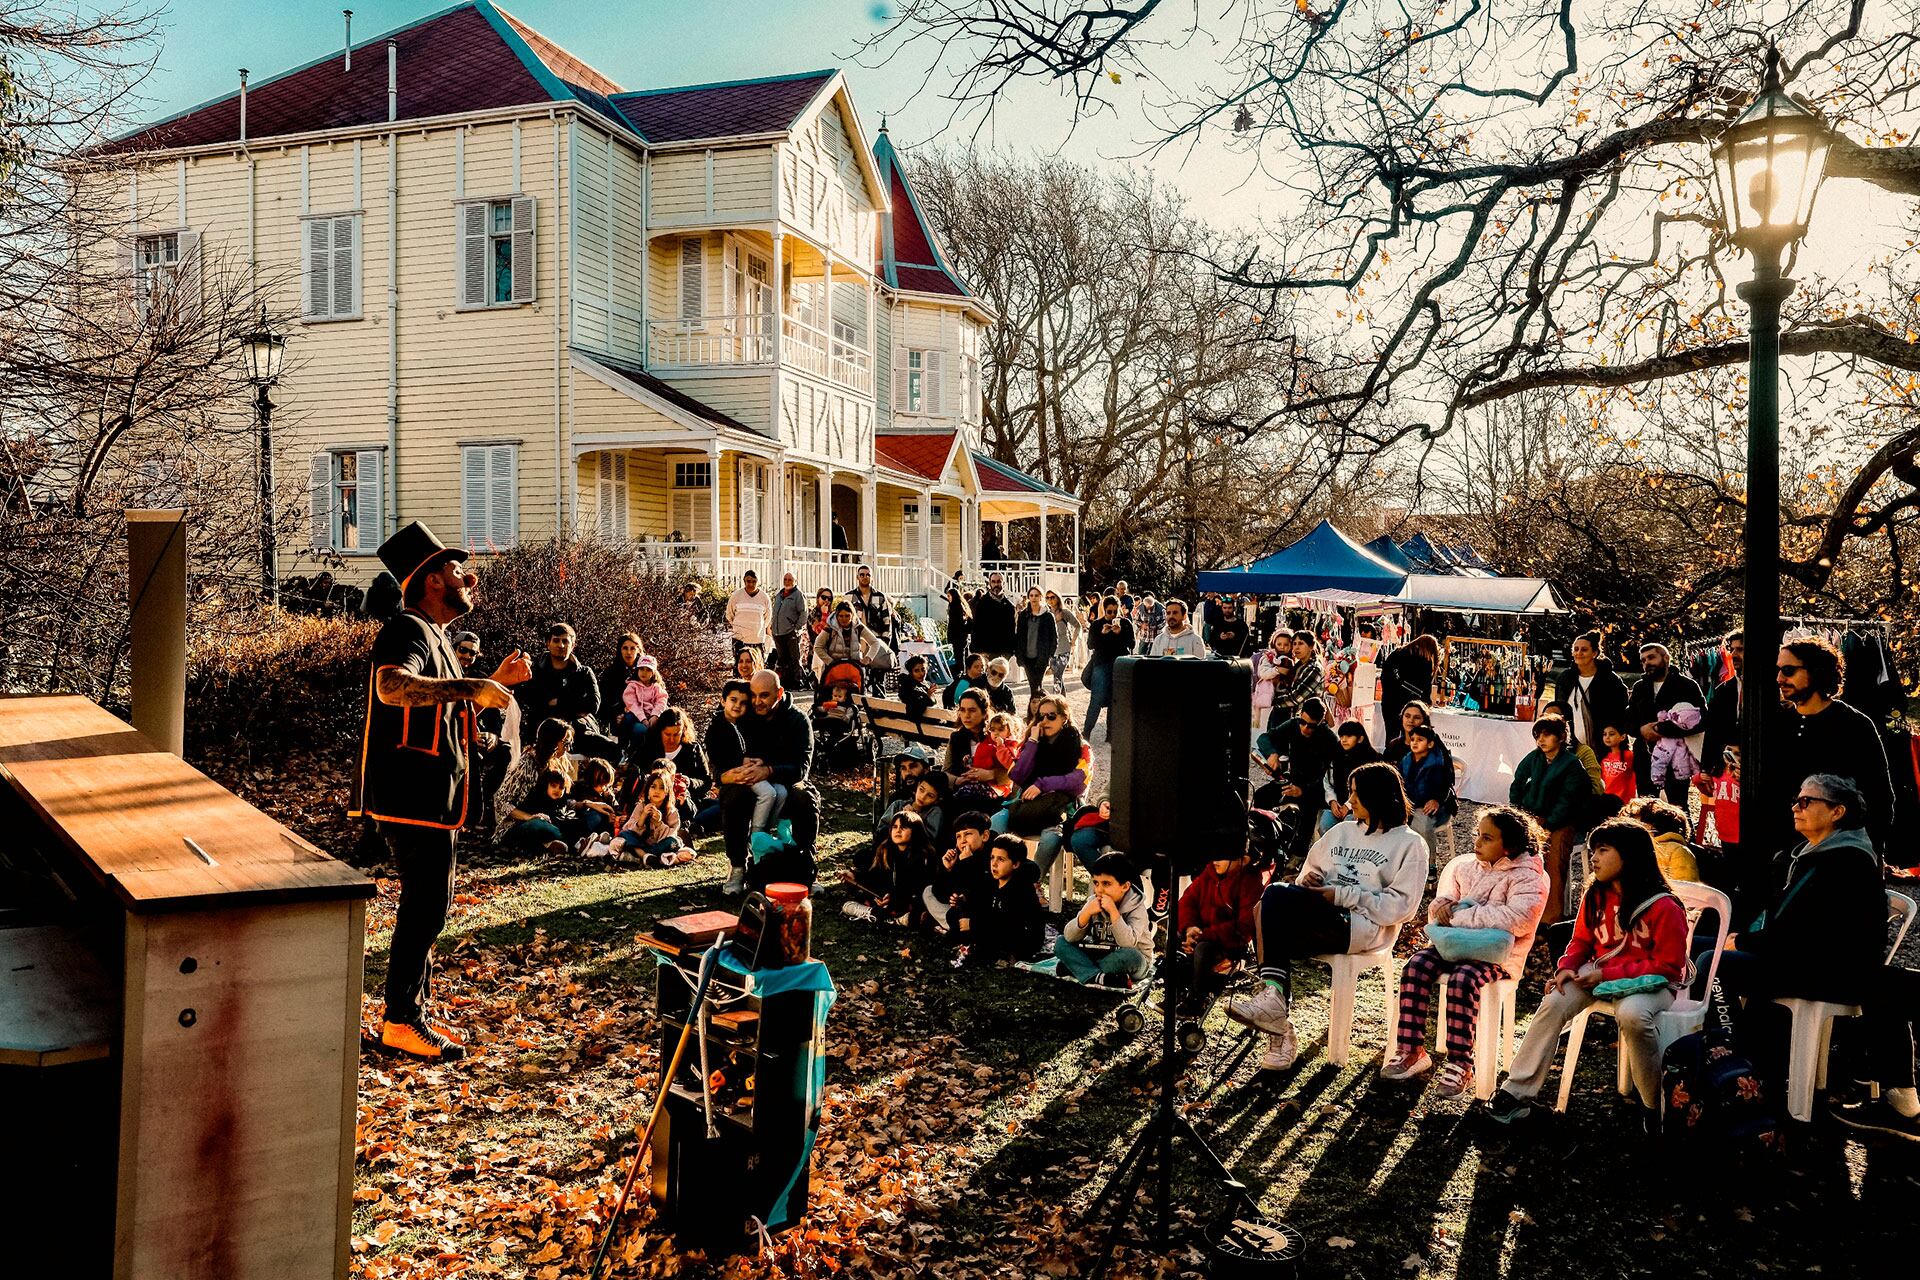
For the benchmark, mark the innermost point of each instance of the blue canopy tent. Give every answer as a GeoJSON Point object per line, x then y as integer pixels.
{"type": "Point", "coordinates": [1324, 560]}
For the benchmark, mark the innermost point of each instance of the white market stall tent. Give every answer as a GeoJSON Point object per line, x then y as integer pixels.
{"type": "Point", "coordinates": [1479, 595]}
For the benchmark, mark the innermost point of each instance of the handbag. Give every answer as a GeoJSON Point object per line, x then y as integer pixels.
{"type": "Point", "coordinates": [1621, 988]}
{"type": "Point", "coordinates": [1032, 817]}
{"type": "Point", "coordinates": [1456, 944]}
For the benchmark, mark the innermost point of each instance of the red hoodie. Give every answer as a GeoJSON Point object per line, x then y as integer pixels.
{"type": "Point", "coordinates": [1222, 907]}
{"type": "Point", "coordinates": [1656, 938]}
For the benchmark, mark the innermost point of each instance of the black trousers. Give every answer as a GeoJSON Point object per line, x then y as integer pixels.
{"type": "Point", "coordinates": [425, 858]}
{"type": "Point", "coordinates": [1294, 922]}
{"type": "Point", "coordinates": [786, 659]}
{"type": "Point", "coordinates": [1882, 1044]}
{"type": "Point", "coordinates": [802, 809]}
{"type": "Point", "coordinates": [1036, 676]}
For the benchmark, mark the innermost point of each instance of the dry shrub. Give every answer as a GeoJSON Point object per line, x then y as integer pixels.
{"type": "Point", "coordinates": [603, 589]}
{"type": "Point", "coordinates": [296, 687]}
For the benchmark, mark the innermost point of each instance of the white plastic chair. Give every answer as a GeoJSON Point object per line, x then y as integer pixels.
{"type": "Point", "coordinates": [1059, 876]}
{"type": "Point", "coordinates": [1683, 1017]}
{"type": "Point", "coordinates": [1492, 1031]}
{"type": "Point", "coordinates": [1345, 985]}
{"type": "Point", "coordinates": [1812, 1035]}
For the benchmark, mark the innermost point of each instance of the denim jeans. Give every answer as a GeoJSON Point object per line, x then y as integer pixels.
{"type": "Point", "coordinates": [532, 835]}
{"type": "Point", "coordinates": [1083, 967]}
{"type": "Point", "coordinates": [1099, 681]}
{"type": "Point", "coordinates": [1085, 842]}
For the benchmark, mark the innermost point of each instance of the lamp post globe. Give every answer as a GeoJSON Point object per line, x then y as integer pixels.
{"type": "Point", "coordinates": [262, 348]}
{"type": "Point", "coordinates": [1767, 165]}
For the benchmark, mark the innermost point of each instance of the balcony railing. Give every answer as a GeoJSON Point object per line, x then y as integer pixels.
{"type": "Point", "coordinates": [748, 339]}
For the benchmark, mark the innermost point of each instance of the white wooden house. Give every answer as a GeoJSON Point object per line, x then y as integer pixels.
{"type": "Point", "coordinates": [711, 320]}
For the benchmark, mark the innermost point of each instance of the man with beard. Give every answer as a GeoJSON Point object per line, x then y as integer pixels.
{"type": "Point", "coordinates": [1660, 688]}
{"type": "Point", "coordinates": [565, 688]}
{"type": "Point", "coordinates": [414, 781]}
{"type": "Point", "coordinates": [778, 745]}
{"type": "Point", "coordinates": [993, 620]}
{"type": "Point", "coordinates": [1818, 733]}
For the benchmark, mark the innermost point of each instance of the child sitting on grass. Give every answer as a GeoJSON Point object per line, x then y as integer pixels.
{"type": "Point", "coordinates": [887, 875]}
{"type": "Point", "coordinates": [1109, 941]}
{"type": "Point", "coordinates": [1216, 922]}
{"type": "Point", "coordinates": [962, 882]}
{"type": "Point", "coordinates": [1011, 921]}
{"type": "Point", "coordinates": [1629, 926]}
{"type": "Point", "coordinates": [596, 802]}
{"type": "Point", "coordinates": [652, 830]}
{"type": "Point", "coordinates": [1501, 885]}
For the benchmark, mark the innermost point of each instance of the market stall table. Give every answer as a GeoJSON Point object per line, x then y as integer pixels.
{"type": "Point", "coordinates": [1486, 750]}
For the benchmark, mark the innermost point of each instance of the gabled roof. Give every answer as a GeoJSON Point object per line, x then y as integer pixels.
{"type": "Point", "coordinates": [471, 57]}
{"type": "Point", "coordinates": [910, 256]}
{"type": "Point", "coordinates": [1326, 559]}
{"type": "Point", "coordinates": [642, 381]}
{"type": "Point", "coordinates": [998, 477]}
{"type": "Point", "coordinates": [725, 109]}
{"type": "Point", "coordinates": [927, 454]}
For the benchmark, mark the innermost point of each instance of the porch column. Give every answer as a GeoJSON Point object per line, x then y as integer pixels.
{"type": "Point", "coordinates": [779, 294]}
{"type": "Point", "coordinates": [1076, 549]}
{"type": "Point", "coordinates": [776, 498]}
{"type": "Point", "coordinates": [823, 517]}
{"type": "Point", "coordinates": [713, 504]}
{"type": "Point", "coordinates": [1043, 539]}
{"type": "Point", "coordinates": [869, 519]}
{"type": "Point", "coordinates": [926, 525]}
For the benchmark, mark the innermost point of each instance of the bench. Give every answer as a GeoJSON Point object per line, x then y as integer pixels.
{"type": "Point", "coordinates": [889, 717]}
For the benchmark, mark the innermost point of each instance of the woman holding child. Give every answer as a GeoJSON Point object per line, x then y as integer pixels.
{"type": "Point", "coordinates": [1361, 881]}
{"type": "Point", "coordinates": [1049, 774]}
{"type": "Point", "coordinates": [520, 819]}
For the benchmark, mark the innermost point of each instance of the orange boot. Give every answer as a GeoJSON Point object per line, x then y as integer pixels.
{"type": "Point", "coordinates": [419, 1040]}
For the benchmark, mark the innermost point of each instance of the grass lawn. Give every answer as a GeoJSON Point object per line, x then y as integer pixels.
{"type": "Point", "coordinates": [970, 1118]}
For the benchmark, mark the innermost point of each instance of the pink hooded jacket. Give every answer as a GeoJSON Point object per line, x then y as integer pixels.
{"type": "Point", "coordinates": [645, 701]}
{"type": "Point", "coordinates": [1510, 894]}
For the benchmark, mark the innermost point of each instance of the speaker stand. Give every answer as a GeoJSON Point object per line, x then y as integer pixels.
{"type": "Point", "coordinates": [1153, 1145]}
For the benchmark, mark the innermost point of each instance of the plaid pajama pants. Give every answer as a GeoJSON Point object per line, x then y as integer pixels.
{"type": "Point", "coordinates": [1424, 972]}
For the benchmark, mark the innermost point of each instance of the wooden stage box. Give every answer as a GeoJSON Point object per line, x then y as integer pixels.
{"type": "Point", "coordinates": [216, 958]}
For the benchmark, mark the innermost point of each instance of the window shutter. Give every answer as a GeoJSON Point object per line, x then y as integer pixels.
{"type": "Point", "coordinates": [934, 382]}
{"type": "Point", "coordinates": [503, 508]}
{"type": "Point", "coordinates": [750, 501]}
{"type": "Point", "coordinates": [693, 282]}
{"type": "Point", "coordinates": [320, 502]}
{"type": "Point", "coordinates": [319, 263]}
{"type": "Point", "coordinates": [620, 496]}
{"type": "Point", "coordinates": [524, 263]}
{"type": "Point", "coordinates": [473, 497]}
{"type": "Point", "coordinates": [370, 497]}
{"type": "Point", "coordinates": [612, 487]}
{"type": "Point", "coordinates": [732, 295]}
{"type": "Point", "coordinates": [900, 379]}
{"type": "Point", "coordinates": [346, 266]}
{"type": "Point", "coordinates": [470, 232]}
{"type": "Point", "coordinates": [186, 278]}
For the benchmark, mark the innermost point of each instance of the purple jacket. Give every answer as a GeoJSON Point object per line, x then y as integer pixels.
{"type": "Point", "coordinates": [1073, 784]}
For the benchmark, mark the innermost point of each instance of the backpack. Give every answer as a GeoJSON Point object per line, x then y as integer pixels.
{"type": "Point", "coordinates": [1713, 1099]}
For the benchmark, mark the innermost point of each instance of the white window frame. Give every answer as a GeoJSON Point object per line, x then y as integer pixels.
{"type": "Point", "coordinates": [489, 495]}
{"type": "Point", "coordinates": [476, 244]}
{"type": "Point", "coordinates": [916, 381]}
{"type": "Point", "coordinates": [327, 486]}
{"type": "Point", "coordinates": [322, 266]}
{"type": "Point", "coordinates": [750, 501]}
{"type": "Point", "coordinates": [693, 280]}
{"type": "Point", "coordinates": [692, 482]}
{"type": "Point", "coordinates": [610, 494]}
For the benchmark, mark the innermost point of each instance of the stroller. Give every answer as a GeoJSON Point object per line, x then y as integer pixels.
{"type": "Point", "coordinates": [840, 732]}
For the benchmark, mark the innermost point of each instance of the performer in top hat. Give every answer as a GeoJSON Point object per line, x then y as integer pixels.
{"type": "Point", "coordinates": [413, 766]}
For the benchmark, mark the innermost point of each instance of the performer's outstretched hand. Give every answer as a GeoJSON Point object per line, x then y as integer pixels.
{"type": "Point", "coordinates": [513, 669]}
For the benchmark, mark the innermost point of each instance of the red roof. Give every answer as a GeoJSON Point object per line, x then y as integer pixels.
{"type": "Point", "coordinates": [927, 280]}
{"type": "Point", "coordinates": [721, 110]}
{"type": "Point", "coordinates": [922, 454]}
{"type": "Point", "coordinates": [564, 64]}
{"type": "Point", "coordinates": [999, 477]}
{"type": "Point", "coordinates": [452, 62]}
{"type": "Point", "coordinates": [910, 258]}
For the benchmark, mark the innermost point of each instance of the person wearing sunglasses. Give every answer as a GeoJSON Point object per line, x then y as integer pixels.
{"type": "Point", "coordinates": [1049, 774]}
{"type": "Point", "coordinates": [1817, 733]}
{"type": "Point", "coordinates": [1821, 934]}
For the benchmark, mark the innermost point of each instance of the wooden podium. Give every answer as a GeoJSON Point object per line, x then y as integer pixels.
{"type": "Point", "coordinates": [212, 964]}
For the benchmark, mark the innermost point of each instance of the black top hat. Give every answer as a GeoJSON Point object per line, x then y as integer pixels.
{"type": "Point", "coordinates": [414, 547]}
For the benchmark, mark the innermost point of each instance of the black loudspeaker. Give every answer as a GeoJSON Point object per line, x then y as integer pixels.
{"type": "Point", "coordinates": [1179, 728]}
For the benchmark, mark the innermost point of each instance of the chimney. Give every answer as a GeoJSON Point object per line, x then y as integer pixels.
{"type": "Point", "coordinates": [349, 15]}
{"type": "Point", "coordinates": [157, 586]}
{"type": "Point", "coordinates": [393, 81]}
{"type": "Point", "coordinates": [243, 106]}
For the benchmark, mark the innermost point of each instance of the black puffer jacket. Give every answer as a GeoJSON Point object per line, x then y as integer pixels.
{"type": "Point", "coordinates": [567, 692]}
{"type": "Point", "coordinates": [1009, 924]}
{"type": "Point", "coordinates": [784, 740]}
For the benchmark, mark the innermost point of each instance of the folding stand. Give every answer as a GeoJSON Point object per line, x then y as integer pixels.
{"type": "Point", "coordinates": [1154, 1143]}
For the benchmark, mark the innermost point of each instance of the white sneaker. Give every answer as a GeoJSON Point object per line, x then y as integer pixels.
{"type": "Point", "coordinates": [1282, 1049]}
{"type": "Point", "coordinates": [856, 911]}
{"type": "Point", "coordinates": [1408, 1065]}
{"type": "Point", "coordinates": [736, 883]}
{"type": "Point", "coordinates": [1264, 1011]}
{"type": "Point", "coordinates": [598, 849]}
{"type": "Point", "coordinates": [1452, 1080]}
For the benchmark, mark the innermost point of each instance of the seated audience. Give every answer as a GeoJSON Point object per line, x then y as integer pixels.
{"type": "Point", "coordinates": [1049, 774]}
{"type": "Point", "coordinates": [1429, 781]}
{"type": "Point", "coordinates": [1011, 921]}
{"type": "Point", "coordinates": [672, 744]}
{"type": "Point", "coordinates": [1668, 823]}
{"type": "Point", "coordinates": [613, 682]}
{"type": "Point", "coordinates": [1356, 749]}
{"type": "Point", "coordinates": [961, 883]}
{"type": "Point", "coordinates": [642, 702]}
{"type": "Point", "coordinates": [652, 832]}
{"type": "Point", "coordinates": [1617, 778]}
{"type": "Point", "coordinates": [972, 676]}
{"type": "Point", "coordinates": [1216, 923]}
{"type": "Point", "coordinates": [1629, 926]}
{"type": "Point", "coordinates": [888, 875]}
{"type": "Point", "coordinates": [1109, 941]}
{"type": "Point", "coordinates": [1299, 754]}
{"type": "Point", "coordinates": [1085, 834]}
{"type": "Point", "coordinates": [1501, 885]}
{"type": "Point", "coordinates": [999, 692]}
{"type": "Point", "coordinates": [1360, 882]}
{"type": "Point", "coordinates": [521, 804]}
{"type": "Point", "coordinates": [912, 689]}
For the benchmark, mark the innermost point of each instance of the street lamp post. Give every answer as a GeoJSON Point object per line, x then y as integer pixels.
{"type": "Point", "coordinates": [262, 350]}
{"type": "Point", "coordinates": [1767, 164]}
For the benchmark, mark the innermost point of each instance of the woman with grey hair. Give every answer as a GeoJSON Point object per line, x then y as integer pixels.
{"type": "Point", "coordinates": [1822, 933]}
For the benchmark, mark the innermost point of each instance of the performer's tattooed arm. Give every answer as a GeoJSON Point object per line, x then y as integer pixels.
{"type": "Point", "coordinates": [399, 688]}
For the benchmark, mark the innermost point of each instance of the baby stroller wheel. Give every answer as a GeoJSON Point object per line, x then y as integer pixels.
{"type": "Point", "coordinates": [1193, 1038]}
{"type": "Point", "coordinates": [1131, 1019]}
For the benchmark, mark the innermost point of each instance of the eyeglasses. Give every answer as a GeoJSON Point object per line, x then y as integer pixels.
{"type": "Point", "coordinates": [1801, 802]}
{"type": "Point", "coordinates": [1787, 669]}
{"type": "Point", "coordinates": [466, 651]}
{"type": "Point", "coordinates": [1050, 717]}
